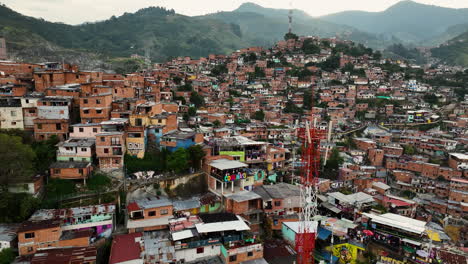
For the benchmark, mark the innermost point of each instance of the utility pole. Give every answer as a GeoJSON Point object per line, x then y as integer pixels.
{"type": "Point", "coordinates": [290, 18]}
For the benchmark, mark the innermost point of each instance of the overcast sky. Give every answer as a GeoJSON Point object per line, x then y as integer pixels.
{"type": "Point", "coordinates": [79, 11]}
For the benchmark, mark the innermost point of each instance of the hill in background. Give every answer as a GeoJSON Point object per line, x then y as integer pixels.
{"type": "Point", "coordinates": [407, 21]}
{"type": "Point", "coordinates": [455, 51]}
{"type": "Point", "coordinates": [160, 33]}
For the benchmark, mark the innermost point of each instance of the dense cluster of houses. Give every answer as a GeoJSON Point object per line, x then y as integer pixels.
{"type": "Point", "coordinates": [396, 194]}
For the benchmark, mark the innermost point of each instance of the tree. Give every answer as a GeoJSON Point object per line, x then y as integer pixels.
{"type": "Point", "coordinates": [377, 55]}
{"type": "Point", "coordinates": [185, 88]}
{"type": "Point", "coordinates": [252, 57]}
{"type": "Point", "coordinates": [290, 35]}
{"type": "Point", "coordinates": [7, 256]}
{"type": "Point", "coordinates": [46, 152]}
{"type": "Point", "coordinates": [259, 115]}
{"type": "Point", "coordinates": [309, 47]}
{"type": "Point", "coordinates": [177, 80]}
{"type": "Point", "coordinates": [192, 111]}
{"type": "Point", "coordinates": [197, 99]}
{"type": "Point", "coordinates": [335, 160]}
{"type": "Point", "coordinates": [27, 206]}
{"type": "Point", "coordinates": [453, 232]}
{"type": "Point", "coordinates": [17, 160]}
{"type": "Point", "coordinates": [292, 108]}
{"type": "Point", "coordinates": [177, 161]}
{"type": "Point", "coordinates": [196, 155]}
{"type": "Point", "coordinates": [219, 69]}
{"type": "Point", "coordinates": [431, 98]}
{"type": "Point", "coordinates": [349, 67]}
{"type": "Point", "coordinates": [59, 187]}
{"type": "Point", "coordinates": [216, 123]}
{"type": "Point", "coordinates": [331, 64]}
{"type": "Point", "coordinates": [19, 206]}
{"type": "Point", "coordinates": [350, 143]}
{"type": "Point", "coordinates": [409, 150]}
{"type": "Point", "coordinates": [99, 182]}
{"type": "Point", "coordinates": [308, 100]}
{"type": "Point", "coordinates": [409, 194]}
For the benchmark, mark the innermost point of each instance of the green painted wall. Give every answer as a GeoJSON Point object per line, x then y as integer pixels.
{"type": "Point", "coordinates": [74, 159]}
{"type": "Point", "coordinates": [240, 154]}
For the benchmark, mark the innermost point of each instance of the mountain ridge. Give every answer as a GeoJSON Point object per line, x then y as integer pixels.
{"type": "Point", "coordinates": [162, 33]}
{"type": "Point", "coordinates": [454, 51]}
{"type": "Point", "coordinates": [404, 20]}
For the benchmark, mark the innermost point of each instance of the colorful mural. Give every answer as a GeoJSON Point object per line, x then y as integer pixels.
{"type": "Point", "coordinates": [346, 253]}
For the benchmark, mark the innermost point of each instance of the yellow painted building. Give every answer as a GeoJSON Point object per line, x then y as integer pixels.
{"type": "Point", "coordinates": [136, 147]}
{"type": "Point", "coordinates": [347, 253]}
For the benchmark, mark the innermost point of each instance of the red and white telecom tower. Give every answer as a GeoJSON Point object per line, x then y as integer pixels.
{"type": "Point", "coordinates": [310, 160]}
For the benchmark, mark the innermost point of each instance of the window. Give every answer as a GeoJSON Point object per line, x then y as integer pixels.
{"type": "Point", "coordinates": [106, 150]}
{"type": "Point", "coordinates": [250, 254]}
{"type": "Point", "coordinates": [70, 159]}
{"type": "Point", "coordinates": [164, 212]}
{"type": "Point", "coordinates": [57, 171]}
{"type": "Point", "coordinates": [98, 101]}
{"type": "Point", "coordinates": [86, 111]}
{"type": "Point", "coordinates": [58, 126]}
{"type": "Point", "coordinates": [138, 122]}
{"type": "Point", "coordinates": [32, 111]}
{"type": "Point", "coordinates": [99, 111]}
{"type": "Point", "coordinates": [81, 129]}
{"type": "Point", "coordinates": [277, 203]}
{"type": "Point", "coordinates": [94, 130]}
{"type": "Point", "coordinates": [116, 161]}
{"type": "Point", "coordinates": [115, 141]}
{"type": "Point", "coordinates": [13, 113]}
{"type": "Point", "coordinates": [103, 139]}
{"type": "Point", "coordinates": [13, 123]}
{"type": "Point", "coordinates": [30, 249]}
{"type": "Point", "coordinates": [152, 213]}
{"type": "Point", "coordinates": [84, 149]}
{"type": "Point", "coordinates": [80, 171]}
{"type": "Point", "coordinates": [232, 258]}
{"type": "Point", "coordinates": [29, 235]}
{"type": "Point", "coordinates": [85, 101]}
{"type": "Point", "coordinates": [200, 250]}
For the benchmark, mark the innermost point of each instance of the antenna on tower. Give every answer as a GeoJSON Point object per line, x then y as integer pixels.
{"type": "Point", "coordinates": [290, 17]}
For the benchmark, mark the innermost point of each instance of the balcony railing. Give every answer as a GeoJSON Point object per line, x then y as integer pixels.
{"type": "Point", "coordinates": [117, 152]}
{"type": "Point", "coordinates": [198, 243]}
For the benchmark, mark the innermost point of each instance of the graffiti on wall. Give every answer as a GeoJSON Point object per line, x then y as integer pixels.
{"type": "Point", "coordinates": [135, 148]}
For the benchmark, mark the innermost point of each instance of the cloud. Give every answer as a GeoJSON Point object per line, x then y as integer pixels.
{"type": "Point", "coordinates": [79, 11]}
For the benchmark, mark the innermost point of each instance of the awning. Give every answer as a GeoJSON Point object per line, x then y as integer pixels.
{"type": "Point", "coordinates": [330, 207]}
{"type": "Point", "coordinates": [411, 242]}
{"type": "Point", "coordinates": [409, 249]}
{"type": "Point", "coordinates": [434, 236]}
{"type": "Point", "coordinates": [323, 233]}
{"type": "Point", "coordinates": [422, 253]}
{"type": "Point", "coordinates": [225, 164]}
{"type": "Point", "coordinates": [183, 234]}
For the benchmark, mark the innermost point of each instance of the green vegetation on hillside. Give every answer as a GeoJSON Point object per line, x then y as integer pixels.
{"type": "Point", "coordinates": [406, 21]}
{"type": "Point", "coordinates": [455, 51]}
{"type": "Point", "coordinates": [161, 33]}
{"type": "Point", "coordinates": [164, 161]}
{"type": "Point", "coordinates": [406, 53]}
